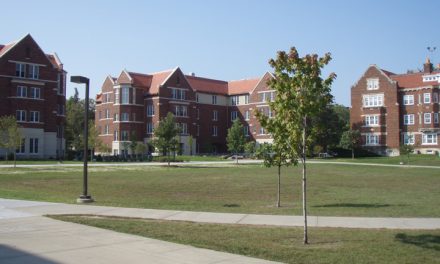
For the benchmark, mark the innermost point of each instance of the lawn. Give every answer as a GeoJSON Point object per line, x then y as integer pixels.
{"type": "Point", "coordinates": [334, 190]}
{"type": "Point", "coordinates": [327, 245]}
{"type": "Point", "coordinates": [427, 160]}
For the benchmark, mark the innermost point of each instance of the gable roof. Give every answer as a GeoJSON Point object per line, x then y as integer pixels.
{"type": "Point", "coordinates": [242, 86]}
{"type": "Point", "coordinates": [158, 79]}
{"type": "Point", "coordinates": [201, 84]}
{"type": "Point", "coordinates": [412, 80]}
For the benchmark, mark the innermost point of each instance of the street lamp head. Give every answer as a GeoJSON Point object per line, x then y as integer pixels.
{"type": "Point", "coordinates": [79, 79]}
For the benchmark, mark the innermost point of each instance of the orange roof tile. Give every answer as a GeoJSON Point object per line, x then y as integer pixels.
{"type": "Point", "coordinates": [201, 84]}
{"type": "Point", "coordinates": [158, 79]}
{"type": "Point", "coordinates": [140, 79]}
{"type": "Point", "coordinates": [411, 80]}
{"type": "Point", "coordinates": [242, 86]}
{"type": "Point", "coordinates": [5, 48]}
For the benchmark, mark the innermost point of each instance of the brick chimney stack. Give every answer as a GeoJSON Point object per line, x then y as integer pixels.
{"type": "Point", "coordinates": [427, 67]}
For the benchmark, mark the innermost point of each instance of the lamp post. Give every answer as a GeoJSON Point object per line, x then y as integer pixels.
{"type": "Point", "coordinates": [85, 197]}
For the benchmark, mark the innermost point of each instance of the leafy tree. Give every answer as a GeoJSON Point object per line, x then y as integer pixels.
{"type": "Point", "coordinates": [250, 148]}
{"type": "Point", "coordinates": [235, 139]}
{"type": "Point", "coordinates": [125, 146]}
{"type": "Point", "coordinates": [10, 135]}
{"type": "Point", "coordinates": [301, 96]}
{"type": "Point", "coordinates": [165, 135]}
{"type": "Point", "coordinates": [351, 139]}
{"type": "Point", "coordinates": [133, 142]}
{"type": "Point", "coordinates": [190, 142]}
{"type": "Point", "coordinates": [329, 125]}
{"type": "Point", "coordinates": [140, 149]}
{"type": "Point", "coordinates": [406, 149]}
{"type": "Point", "coordinates": [94, 142]}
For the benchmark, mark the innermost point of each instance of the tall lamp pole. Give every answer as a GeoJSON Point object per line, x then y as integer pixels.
{"type": "Point", "coordinates": [85, 197]}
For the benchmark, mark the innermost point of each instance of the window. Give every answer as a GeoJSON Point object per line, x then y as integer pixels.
{"type": "Point", "coordinates": [34, 71]}
{"type": "Point", "coordinates": [180, 110]}
{"type": "Point", "coordinates": [371, 120]}
{"type": "Point", "coordinates": [408, 119]}
{"type": "Point", "coordinates": [246, 115]}
{"type": "Point", "coordinates": [408, 99]}
{"type": "Point", "coordinates": [246, 99]}
{"type": "Point", "coordinates": [246, 131]}
{"type": "Point", "coordinates": [107, 113]}
{"type": "Point", "coordinates": [178, 94]}
{"type": "Point", "coordinates": [116, 117]}
{"type": "Point", "coordinates": [35, 93]}
{"type": "Point", "coordinates": [116, 96]}
{"type": "Point", "coordinates": [373, 100]}
{"type": "Point", "coordinates": [20, 115]}
{"type": "Point", "coordinates": [262, 131]}
{"type": "Point", "coordinates": [106, 129]}
{"type": "Point", "coordinates": [150, 110]}
{"type": "Point", "coordinates": [183, 128]}
{"type": "Point", "coordinates": [124, 135]}
{"type": "Point", "coordinates": [34, 116]}
{"type": "Point", "coordinates": [426, 98]}
{"type": "Point", "coordinates": [234, 100]}
{"type": "Point", "coordinates": [21, 91]}
{"type": "Point", "coordinates": [134, 95]}
{"type": "Point", "coordinates": [272, 96]}
{"type": "Point", "coordinates": [371, 139]}
{"type": "Point", "coordinates": [215, 115]}
{"type": "Point", "coordinates": [408, 139]}
{"type": "Point", "coordinates": [124, 117]}
{"type": "Point", "coordinates": [22, 148]}
{"type": "Point", "coordinates": [198, 113]}
{"type": "Point", "coordinates": [33, 145]}
{"type": "Point", "coordinates": [20, 70]}
{"type": "Point", "coordinates": [435, 118]}
{"type": "Point", "coordinates": [60, 109]}
{"type": "Point", "coordinates": [133, 115]}
{"type": "Point", "coordinates": [429, 139]}
{"type": "Point", "coordinates": [435, 97]}
{"type": "Point", "coordinates": [115, 135]}
{"type": "Point", "coordinates": [234, 115]}
{"type": "Point", "coordinates": [267, 96]}
{"type": "Point", "coordinates": [372, 84]}
{"type": "Point", "coordinates": [214, 99]}
{"type": "Point", "coordinates": [125, 95]}
{"type": "Point", "coordinates": [150, 128]}
{"type": "Point", "coordinates": [427, 118]}
{"type": "Point", "coordinates": [269, 112]}
{"type": "Point", "coordinates": [214, 131]}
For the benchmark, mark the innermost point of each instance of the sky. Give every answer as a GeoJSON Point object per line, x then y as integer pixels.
{"type": "Point", "coordinates": [228, 39]}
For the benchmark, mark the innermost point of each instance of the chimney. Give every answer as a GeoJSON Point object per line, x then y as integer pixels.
{"type": "Point", "coordinates": [427, 67]}
{"type": "Point", "coordinates": [193, 74]}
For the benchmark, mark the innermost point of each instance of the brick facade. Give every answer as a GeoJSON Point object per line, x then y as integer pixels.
{"type": "Point", "coordinates": [33, 83]}
{"type": "Point", "coordinates": [390, 109]}
{"type": "Point", "coordinates": [203, 106]}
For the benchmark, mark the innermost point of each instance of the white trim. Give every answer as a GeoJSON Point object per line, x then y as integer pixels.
{"type": "Point", "coordinates": [135, 122]}
{"type": "Point", "coordinates": [28, 98]}
{"type": "Point", "coordinates": [261, 79]}
{"type": "Point", "coordinates": [28, 63]}
{"type": "Point", "coordinates": [416, 89]}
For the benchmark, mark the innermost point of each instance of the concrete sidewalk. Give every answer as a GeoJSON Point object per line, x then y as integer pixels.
{"type": "Point", "coordinates": [19, 208]}
{"type": "Point", "coordinates": [28, 238]}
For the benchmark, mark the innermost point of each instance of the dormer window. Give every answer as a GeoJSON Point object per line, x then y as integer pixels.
{"type": "Point", "coordinates": [372, 84]}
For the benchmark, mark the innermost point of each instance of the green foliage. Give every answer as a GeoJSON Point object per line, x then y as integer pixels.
{"type": "Point", "coordinates": [165, 135]}
{"type": "Point", "coordinates": [140, 148]}
{"type": "Point", "coordinates": [10, 135]}
{"type": "Point", "coordinates": [406, 149]}
{"type": "Point", "coordinates": [235, 139]}
{"type": "Point", "coordinates": [350, 139]}
{"type": "Point", "coordinates": [250, 148]}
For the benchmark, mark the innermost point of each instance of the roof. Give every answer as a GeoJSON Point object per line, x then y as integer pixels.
{"type": "Point", "coordinates": [140, 79]}
{"type": "Point", "coordinates": [158, 79]}
{"type": "Point", "coordinates": [242, 86]}
{"type": "Point", "coordinates": [201, 84]}
{"type": "Point", "coordinates": [412, 80]}
{"type": "Point", "coordinates": [6, 47]}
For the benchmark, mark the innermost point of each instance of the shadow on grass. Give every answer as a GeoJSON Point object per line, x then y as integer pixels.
{"type": "Point", "coordinates": [424, 241]}
{"type": "Point", "coordinates": [355, 205]}
{"type": "Point", "coordinates": [231, 205]}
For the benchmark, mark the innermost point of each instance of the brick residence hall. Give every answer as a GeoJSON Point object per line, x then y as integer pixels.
{"type": "Point", "coordinates": [131, 105]}
{"type": "Point", "coordinates": [392, 109]}
{"type": "Point", "coordinates": [33, 89]}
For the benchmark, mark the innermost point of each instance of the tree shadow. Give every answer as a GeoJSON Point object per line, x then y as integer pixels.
{"type": "Point", "coordinates": [231, 205]}
{"type": "Point", "coordinates": [424, 241]}
{"type": "Point", "coordinates": [355, 205]}
{"type": "Point", "coordinates": [14, 255]}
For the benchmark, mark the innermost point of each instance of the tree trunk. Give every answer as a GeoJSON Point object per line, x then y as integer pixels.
{"type": "Point", "coordinates": [304, 180]}
{"type": "Point", "coordinates": [279, 186]}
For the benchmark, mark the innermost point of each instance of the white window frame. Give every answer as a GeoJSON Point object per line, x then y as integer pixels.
{"type": "Point", "coordinates": [214, 99]}
{"type": "Point", "coordinates": [117, 96]}
{"type": "Point", "coordinates": [246, 99]}
{"type": "Point", "coordinates": [35, 93]}
{"type": "Point", "coordinates": [125, 117]}
{"type": "Point", "coordinates": [246, 131]}
{"type": "Point", "coordinates": [436, 118]}
{"type": "Point", "coordinates": [372, 83]}
{"type": "Point", "coordinates": [34, 116]}
{"type": "Point", "coordinates": [20, 115]}
{"type": "Point", "coordinates": [178, 94]}
{"type": "Point", "coordinates": [429, 139]}
{"type": "Point", "coordinates": [124, 135]}
{"type": "Point", "coordinates": [34, 71]}
{"type": "Point", "coordinates": [372, 139]}
{"type": "Point", "coordinates": [427, 98]}
{"type": "Point", "coordinates": [247, 115]}
{"type": "Point", "coordinates": [22, 148]}
{"type": "Point", "coordinates": [21, 91]}
{"type": "Point", "coordinates": [125, 95]}
{"type": "Point", "coordinates": [215, 115]}
{"type": "Point", "coordinates": [33, 146]}
{"type": "Point", "coordinates": [408, 99]}
{"type": "Point", "coordinates": [150, 128]}
{"type": "Point", "coordinates": [371, 120]}
{"type": "Point", "coordinates": [372, 100]}
{"type": "Point", "coordinates": [180, 111]}
{"type": "Point", "coordinates": [107, 113]}
{"type": "Point", "coordinates": [435, 97]}
{"type": "Point", "coordinates": [409, 138]}
{"type": "Point", "coordinates": [214, 131]}
{"type": "Point", "coordinates": [235, 100]}
{"type": "Point", "coordinates": [20, 70]}
{"type": "Point", "coordinates": [262, 131]}
{"type": "Point", "coordinates": [234, 115]}
{"type": "Point", "coordinates": [106, 129]}
{"type": "Point", "coordinates": [427, 118]}
{"type": "Point", "coordinates": [150, 110]}
{"type": "Point", "coordinates": [408, 119]}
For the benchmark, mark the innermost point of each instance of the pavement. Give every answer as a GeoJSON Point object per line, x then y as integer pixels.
{"type": "Point", "coordinates": [26, 236]}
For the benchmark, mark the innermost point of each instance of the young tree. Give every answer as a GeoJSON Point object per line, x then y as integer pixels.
{"type": "Point", "coordinates": [235, 139]}
{"type": "Point", "coordinates": [301, 95]}
{"type": "Point", "coordinates": [250, 148]}
{"type": "Point", "coordinates": [133, 143]}
{"type": "Point", "coordinates": [10, 135]}
{"type": "Point", "coordinates": [125, 146]}
{"type": "Point", "coordinates": [165, 135]}
{"type": "Point", "coordinates": [140, 149]}
{"type": "Point", "coordinates": [190, 142]}
{"type": "Point", "coordinates": [94, 142]}
{"type": "Point", "coordinates": [406, 149]}
{"type": "Point", "coordinates": [350, 139]}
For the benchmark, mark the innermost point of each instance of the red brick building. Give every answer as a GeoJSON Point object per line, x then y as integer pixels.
{"type": "Point", "coordinates": [393, 109]}
{"type": "Point", "coordinates": [131, 105]}
{"type": "Point", "coordinates": [33, 90]}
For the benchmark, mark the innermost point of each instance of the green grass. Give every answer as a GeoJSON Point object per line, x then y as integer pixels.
{"type": "Point", "coordinates": [427, 160]}
{"type": "Point", "coordinates": [327, 245]}
{"type": "Point", "coordinates": [334, 190]}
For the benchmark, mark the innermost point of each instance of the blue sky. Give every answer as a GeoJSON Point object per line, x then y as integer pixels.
{"type": "Point", "coordinates": [226, 40]}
